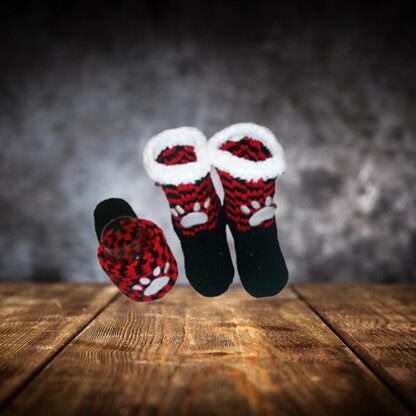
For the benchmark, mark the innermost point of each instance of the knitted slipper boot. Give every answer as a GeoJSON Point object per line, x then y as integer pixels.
{"type": "Point", "coordinates": [177, 160]}
{"type": "Point", "coordinates": [133, 252]}
{"type": "Point", "coordinates": [248, 159]}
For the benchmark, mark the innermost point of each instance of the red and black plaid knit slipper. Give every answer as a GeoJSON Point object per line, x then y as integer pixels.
{"type": "Point", "coordinates": [248, 159]}
{"type": "Point", "coordinates": [177, 160]}
{"type": "Point", "coordinates": [133, 252]}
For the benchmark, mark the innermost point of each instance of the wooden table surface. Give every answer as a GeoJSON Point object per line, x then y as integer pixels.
{"type": "Point", "coordinates": [315, 349]}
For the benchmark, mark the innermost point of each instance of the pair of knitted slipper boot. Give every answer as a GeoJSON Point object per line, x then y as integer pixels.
{"type": "Point", "coordinates": [248, 159]}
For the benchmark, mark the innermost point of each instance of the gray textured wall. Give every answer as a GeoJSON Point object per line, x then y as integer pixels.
{"type": "Point", "coordinates": [79, 99]}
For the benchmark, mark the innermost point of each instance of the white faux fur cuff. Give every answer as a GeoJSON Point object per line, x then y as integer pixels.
{"type": "Point", "coordinates": [176, 174]}
{"type": "Point", "coordinates": [245, 169]}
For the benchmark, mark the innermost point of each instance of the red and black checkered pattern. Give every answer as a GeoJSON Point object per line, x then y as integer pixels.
{"type": "Point", "coordinates": [238, 192]}
{"type": "Point", "coordinates": [187, 198]}
{"type": "Point", "coordinates": [132, 249]}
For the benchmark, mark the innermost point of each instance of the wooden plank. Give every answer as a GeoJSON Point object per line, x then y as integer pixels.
{"type": "Point", "coordinates": [378, 322]}
{"type": "Point", "coordinates": [188, 355]}
{"type": "Point", "coordinates": [36, 321]}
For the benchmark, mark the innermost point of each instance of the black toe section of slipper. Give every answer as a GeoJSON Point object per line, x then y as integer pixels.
{"type": "Point", "coordinates": [260, 261]}
{"type": "Point", "coordinates": [208, 263]}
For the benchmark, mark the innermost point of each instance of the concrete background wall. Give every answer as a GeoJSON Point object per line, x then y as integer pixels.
{"type": "Point", "coordinates": [79, 97]}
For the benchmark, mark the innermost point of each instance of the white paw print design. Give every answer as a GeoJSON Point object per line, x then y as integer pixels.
{"type": "Point", "coordinates": [193, 218]}
{"type": "Point", "coordinates": [263, 214]}
{"type": "Point", "coordinates": [156, 284]}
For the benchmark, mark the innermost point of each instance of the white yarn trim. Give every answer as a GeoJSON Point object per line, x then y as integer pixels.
{"type": "Point", "coordinates": [245, 169]}
{"type": "Point", "coordinates": [176, 174]}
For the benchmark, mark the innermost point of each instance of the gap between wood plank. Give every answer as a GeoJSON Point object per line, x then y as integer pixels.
{"type": "Point", "coordinates": [296, 295]}
{"type": "Point", "coordinates": [37, 371]}
{"type": "Point", "coordinates": [351, 348]}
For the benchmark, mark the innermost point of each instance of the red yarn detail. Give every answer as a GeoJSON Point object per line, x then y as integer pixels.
{"type": "Point", "coordinates": [242, 198]}
{"type": "Point", "coordinates": [239, 193]}
{"type": "Point", "coordinates": [151, 263]}
{"type": "Point", "coordinates": [185, 200]}
{"type": "Point", "coordinates": [190, 198]}
{"type": "Point", "coordinates": [177, 155]}
{"type": "Point", "coordinates": [247, 148]}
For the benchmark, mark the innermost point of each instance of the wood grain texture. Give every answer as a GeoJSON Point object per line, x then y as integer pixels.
{"type": "Point", "coordinates": [378, 322]}
{"type": "Point", "coordinates": [188, 355]}
{"type": "Point", "coordinates": [36, 321]}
